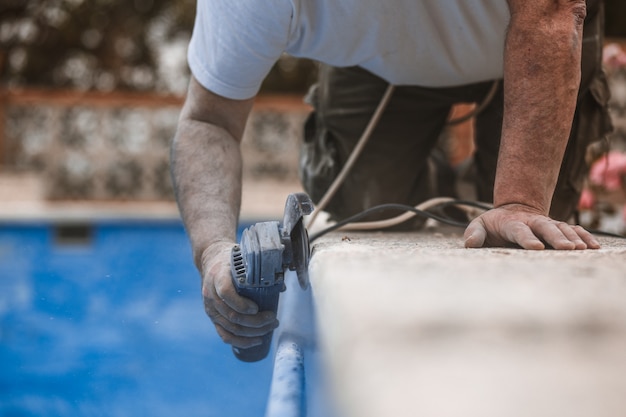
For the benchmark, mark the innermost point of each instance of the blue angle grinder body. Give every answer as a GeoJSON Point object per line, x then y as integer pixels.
{"type": "Point", "coordinates": [266, 251]}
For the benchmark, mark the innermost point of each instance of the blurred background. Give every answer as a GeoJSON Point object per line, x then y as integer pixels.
{"type": "Point", "coordinates": [100, 312]}
{"type": "Point", "coordinates": [90, 93]}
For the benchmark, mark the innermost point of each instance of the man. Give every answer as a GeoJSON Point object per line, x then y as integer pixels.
{"type": "Point", "coordinates": [436, 53]}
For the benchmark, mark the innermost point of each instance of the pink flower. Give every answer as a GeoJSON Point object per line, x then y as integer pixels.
{"type": "Point", "coordinates": [609, 171]}
{"type": "Point", "coordinates": [587, 200]}
{"type": "Point", "coordinates": [613, 56]}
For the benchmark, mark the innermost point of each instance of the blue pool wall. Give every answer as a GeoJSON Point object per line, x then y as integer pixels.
{"type": "Point", "coordinates": [112, 324]}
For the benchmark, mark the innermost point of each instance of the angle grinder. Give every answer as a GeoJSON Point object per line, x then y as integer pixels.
{"type": "Point", "coordinates": [266, 251]}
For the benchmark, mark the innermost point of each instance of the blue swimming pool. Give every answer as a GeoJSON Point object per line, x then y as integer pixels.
{"type": "Point", "coordinates": [106, 319]}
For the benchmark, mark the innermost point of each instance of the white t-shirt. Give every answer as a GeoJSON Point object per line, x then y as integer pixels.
{"type": "Point", "coordinates": [432, 43]}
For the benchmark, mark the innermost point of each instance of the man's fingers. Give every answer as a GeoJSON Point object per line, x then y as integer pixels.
{"type": "Point", "coordinates": [563, 236]}
{"type": "Point", "coordinates": [581, 238]}
{"type": "Point", "coordinates": [234, 328]}
{"type": "Point", "coordinates": [588, 238]}
{"type": "Point", "coordinates": [236, 334]}
{"type": "Point", "coordinates": [571, 234]}
{"type": "Point", "coordinates": [225, 290]}
{"type": "Point", "coordinates": [523, 236]}
{"type": "Point", "coordinates": [217, 308]}
{"type": "Point", "coordinates": [475, 234]}
{"type": "Point", "coordinates": [244, 331]}
{"type": "Point", "coordinates": [504, 226]}
{"type": "Point", "coordinates": [551, 233]}
{"type": "Point", "coordinates": [237, 341]}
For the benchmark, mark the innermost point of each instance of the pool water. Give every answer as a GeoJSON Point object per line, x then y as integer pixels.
{"type": "Point", "coordinates": [106, 319]}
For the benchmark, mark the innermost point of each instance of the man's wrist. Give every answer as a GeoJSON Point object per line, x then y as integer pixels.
{"type": "Point", "coordinates": [204, 253]}
{"type": "Point", "coordinates": [520, 207]}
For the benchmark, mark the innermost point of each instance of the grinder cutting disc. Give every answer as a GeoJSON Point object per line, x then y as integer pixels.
{"type": "Point", "coordinates": [301, 253]}
{"type": "Point", "coordinates": [296, 207]}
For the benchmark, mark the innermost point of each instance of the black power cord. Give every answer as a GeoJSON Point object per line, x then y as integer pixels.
{"type": "Point", "coordinates": [399, 207]}
{"type": "Point", "coordinates": [426, 214]}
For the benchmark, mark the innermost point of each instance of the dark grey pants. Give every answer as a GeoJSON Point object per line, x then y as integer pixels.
{"type": "Point", "coordinates": [394, 167]}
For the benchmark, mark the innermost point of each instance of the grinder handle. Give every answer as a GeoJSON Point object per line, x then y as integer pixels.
{"type": "Point", "coordinates": [267, 300]}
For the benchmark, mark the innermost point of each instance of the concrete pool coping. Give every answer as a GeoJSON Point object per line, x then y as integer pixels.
{"type": "Point", "coordinates": [415, 324]}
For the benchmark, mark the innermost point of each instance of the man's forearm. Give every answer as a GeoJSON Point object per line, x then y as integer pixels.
{"type": "Point", "coordinates": [206, 169]}
{"type": "Point", "coordinates": [541, 81]}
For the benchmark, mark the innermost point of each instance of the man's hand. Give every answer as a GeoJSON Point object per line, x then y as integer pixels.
{"type": "Point", "coordinates": [236, 319]}
{"type": "Point", "coordinates": [542, 73]}
{"type": "Point", "coordinates": [206, 169]}
{"type": "Point", "coordinates": [517, 225]}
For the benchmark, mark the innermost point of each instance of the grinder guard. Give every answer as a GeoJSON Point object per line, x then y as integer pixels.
{"type": "Point", "coordinates": [259, 262]}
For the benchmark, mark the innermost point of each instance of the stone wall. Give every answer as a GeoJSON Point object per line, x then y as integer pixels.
{"type": "Point", "coordinates": [95, 150]}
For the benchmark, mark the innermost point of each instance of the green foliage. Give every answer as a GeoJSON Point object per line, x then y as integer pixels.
{"type": "Point", "coordinates": [111, 45]}
{"type": "Point", "coordinates": [89, 44]}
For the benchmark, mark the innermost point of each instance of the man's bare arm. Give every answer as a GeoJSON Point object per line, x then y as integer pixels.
{"type": "Point", "coordinates": [206, 170]}
{"type": "Point", "coordinates": [206, 166]}
{"type": "Point", "coordinates": [541, 81]}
